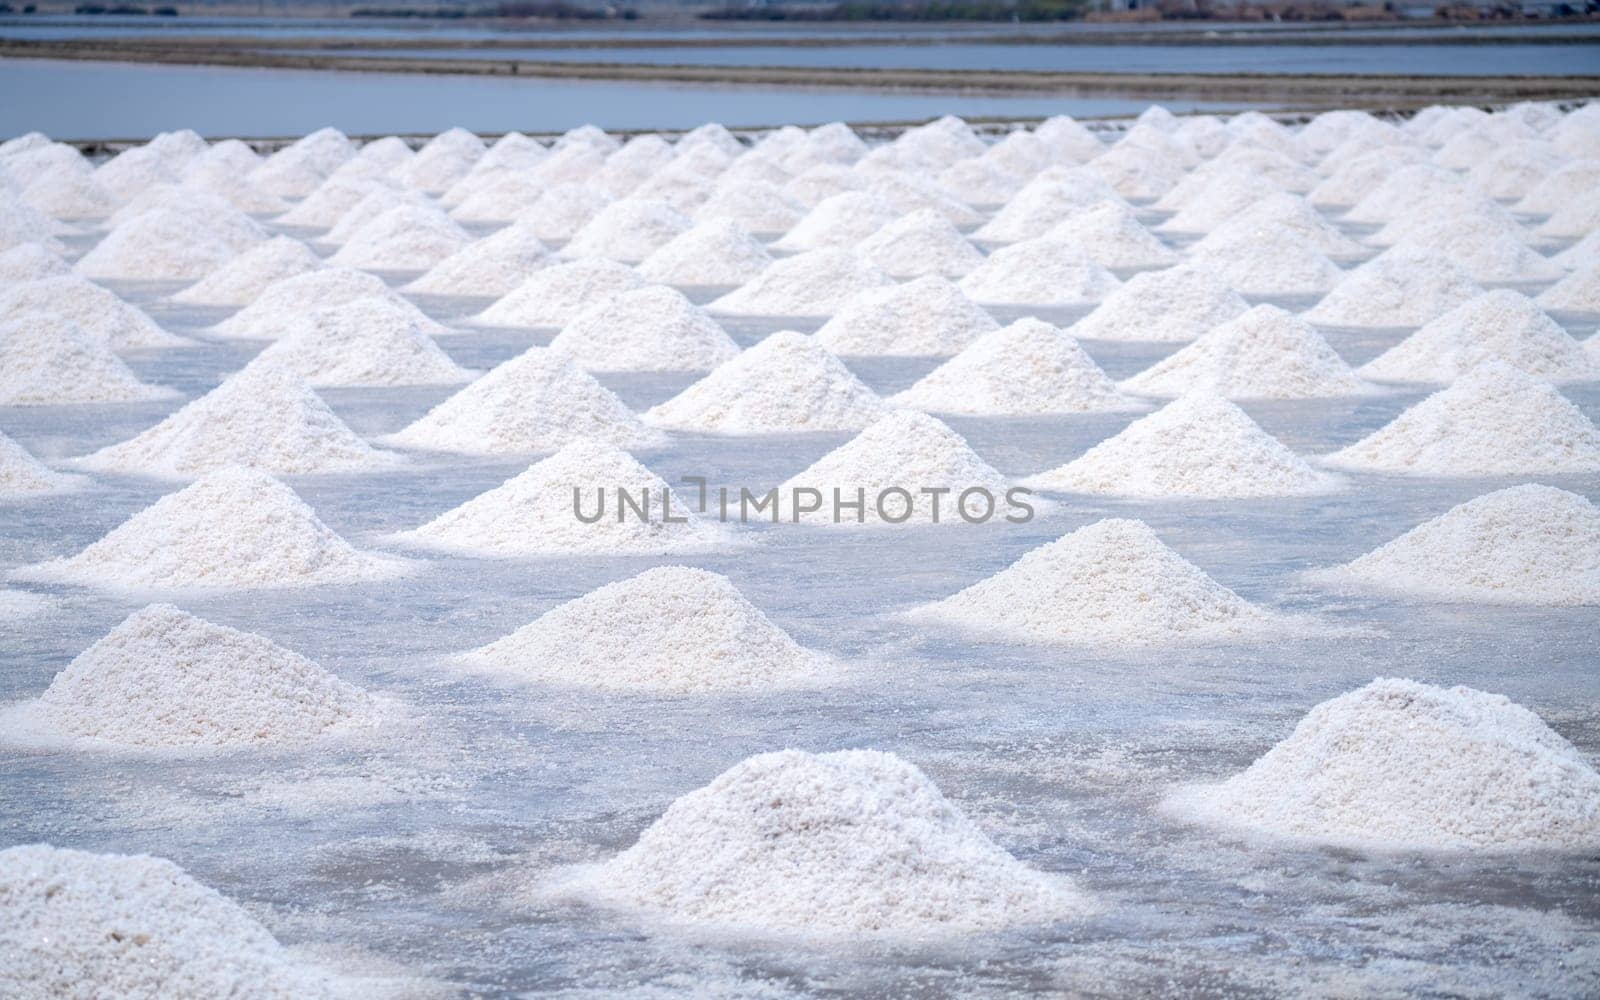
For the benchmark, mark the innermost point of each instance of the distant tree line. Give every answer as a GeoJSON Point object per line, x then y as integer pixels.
{"type": "Point", "coordinates": [888, 10]}
{"type": "Point", "coordinates": [555, 10]}
{"type": "Point", "coordinates": [121, 8]}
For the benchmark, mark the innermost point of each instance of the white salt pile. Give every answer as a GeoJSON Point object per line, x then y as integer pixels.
{"type": "Point", "coordinates": [1403, 766]}
{"type": "Point", "coordinates": [1355, 177]}
{"type": "Point", "coordinates": [404, 238]}
{"type": "Point", "coordinates": [1039, 272]}
{"type": "Point", "coordinates": [1403, 286]}
{"type": "Point", "coordinates": [46, 360]}
{"type": "Point", "coordinates": [652, 329]}
{"type": "Point", "coordinates": [1578, 292]}
{"type": "Point", "coordinates": [166, 679]}
{"type": "Point", "coordinates": [537, 401]}
{"type": "Point", "coordinates": [233, 185]}
{"type": "Point", "coordinates": [1577, 217]}
{"type": "Point", "coordinates": [818, 845]}
{"type": "Point", "coordinates": [841, 220]}
{"type": "Point", "coordinates": [243, 278]}
{"type": "Point", "coordinates": [633, 163]}
{"type": "Point", "coordinates": [95, 310]}
{"type": "Point", "coordinates": [190, 212]}
{"type": "Point", "coordinates": [1493, 421]}
{"type": "Point", "coordinates": [816, 184]}
{"type": "Point", "coordinates": [30, 262]}
{"type": "Point", "coordinates": [1297, 216]}
{"type": "Point", "coordinates": [492, 266]}
{"type": "Point", "coordinates": [911, 192]}
{"type": "Point", "coordinates": [759, 206]}
{"type": "Point", "coordinates": [716, 253]}
{"type": "Point", "coordinates": [815, 283]}
{"type": "Point", "coordinates": [1029, 367]}
{"type": "Point", "coordinates": [233, 528]}
{"type": "Point", "coordinates": [1069, 139]}
{"type": "Point", "coordinates": [920, 243]}
{"type": "Point", "coordinates": [21, 224]}
{"type": "Point", "coordinates": [297, 169]}
{"type": "Point", "coordinates": [1266, 353]}
{"type": "Point", "coordinates": [1401, 189]}
{"type": "Point", "coordinates": [1051, 198]}
{"type": "Point", "coordinates": [1199, 445]}
{"type": "Point", "coordinates": [1110, 582]}
{"type": "Point", "coordinates": [22, 475]}
{"type": "Point", "coordinates": [68, 195]}
{"type": "Point", "coordinates": [538, 512]}
{"type": "Point", "coordinates": [927, 316]}
{"type": "Point", "coordinates": [1523, 545]}
{"type": "Point", "coordinates": [1206, 200]}
{"type": "Point", "coordinates": [892, 465]}
{"type": "Point", "coordinates": [1138, 171]}
{"type": "Point", "coordinates": [1171, 306]}
{"type": "Point", "coordinates": [264, 417]}
{"type": "Point", "coordinates": [1112, 237]}
{"type": "Point", "coordinates": [446, 159]}
{"type": "Point", "coordinates": [78, 925]}
{"type": "Point", "coordinates": [1270, 259]}
{"type": "Point", "coordinates": [563, 209]}
{"type": "Point", "coordinates": [333, 200]}
{"type": "Point", "coordinates": [276, 310]}
{"type": "Point", "coordinates": [159, 245]}
{"type": "Point", "coordinates": [1514, 168]}
{"type": "Point", "coordinates": [1582, 254]}
{"type": "Point", "coordinates": [1484, 253]}
{"type": "Point", "coordinates": [501, 197]}
{"type": "Point", "coordinates": [365, 342]}
{"type": "Point", "coordinates": [980, 181]}
{"type": "Point", "coordinates": [786, 383]}
{"type": "Point", "coordinates": [628, 231]}
{"type": "Point", "coordinates": [556, 295]}
{"type": "Point", "coordinates": [1501, 325]}
{"type": "Point", "coordinates": [671, 630]}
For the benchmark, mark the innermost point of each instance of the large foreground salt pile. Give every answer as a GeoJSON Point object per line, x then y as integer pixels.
{"type": "Point", "coordinates": [556, 295]}
{"type": "Point", "coordinates": [76, 924]}
{"type": "Point", "coordinates": [46, 360]}
{"type": "Point", "coordinates": [537, 401]}
{"type": "Point", "coordinates": [30, 262]}
{"type": "Point", "coordinates": [1029, 367]}
{"type": "Point", "coordinates": [538, 512]}
{"type": "Point", "coordinates": [22, 475]}
{"type": "Point", "coordinates": [1493, 421]}
{"type": "Point", "coordinates": [234, 528]}
{"type": "Point", "coordinates": [1199, 445]}
{"type": "Point", "coordinates": [166, 679]}
{"type": "Point", "coordinates": [1501, 325]}
{"type": "Point", "coordinates": [162, 245]}
{"type": "Point", "coordinates": [1403, 286]}
{"type": "Point", "coordinates": [719, 252]}
{"type": "Point", "coordinates": [1171, 306]}
{"type": "Point", "coordinates": [786, 383]}
{"type": "Point", "coordinates": [821, 845]}
{"type": "Point", "coordinates": [1039, 272]}
{"type": "Point", "coordinates": [264, 417]}
{"type": "Point", "coordinates": [98, 311]}
{"type": "Point", "coordinates": [926, 316]}
{"type": "Point", "coordinates": [1579, 291]}
{"type": "Point", "coordinates": [1403, 766]}
{"type": "Point", "coordinates": [1111, 582]}
{"type": "Point", "coordinates": [651, 329]}
{"type": "Point", "coordinates": [243, 278]}
{"type": "Point", "coordinates": [1527, 544]}
{"type": "Point", "coordinates": [814, 283]}
{"type": "Point", "coordinates": [365, 342]}
{"type": "Point", "coordinates": [671, 630]}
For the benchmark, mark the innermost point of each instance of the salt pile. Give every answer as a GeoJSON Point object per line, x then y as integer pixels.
{"type": "Point", "coordinates": [30, 262]}
{"type": "Point", "coordinates": [333, 200]}
{"type": "Point", "coordinates": [233, 185]}
{"type": "Point", "coordinates": [1358, 176]}
{"type": "Point", "coordinates": [1069, 139]}
{"type": "Point", "coordinates": [445, 159]}
{"type": "Point", "coordinates": [1029, 367]}
{"type": "Point", "coordinates": [786, 383]}
{"type": "Point", "coordinates": [759, 206]}
{"type": "Point", "coordinates": [22, 475]}
{"type": "Point", "coordinates": [718, 253]}
{"type": "Point", "coordinates": [1524, 545]}
{"type": "Point", "coordinates": [1514, 168]}
{"type": "Point", "coordinates": [654, 328]}
{"type": "Point", "coordinates": [927, 316]}
{"type": "Point", "coordinates": [68, 195]}
{"type": "Point", "coordinates": [815, 283]}
{"type": "Point", "coordinates": [1403, 286]}
{"type": "Point", "coordinates": [904, 452]}
{"type": "Point", "coordinates": [264, 417]}
{"type": "Point", "coordinates": [1207, 200]}
{"type": "Point", "coordinates": [1578, 292]}
{"type": "Point", "coordinates": [365, 342]}
{"type": "Point", "coordinates": [88, 925]}
{"type": "Point", "coordinates": [404, 238]}
{"type": "Point", "coordinates": [1049, 200]}
{"type": "Point", "coordinates": [21, 224]}
{"type": "Point", "coordinates": [1502, 325]}
{"type": "Point", "coordinates": [1402, 189]}
{"type": "Point", "coordinates": [671, 630]}
{"type": "Point", "coordinates": [1112, 237]}
{"type": "Point", "coordinates": [1493, 421]}
{"type": "Point", "coordinates": [818, 845]}
{"type": "Point", "coordinates": [910, 193]}
{"type": "Point", "coordinates": [98, 311]}
{"type": "Point", "coordinates": [233, 528]}
{"type": "Point", "coordinates": [1111, 582]}
{"type": "Point", "coordinates": [1139, 171]}
{"type": "Point", "coordinates": [160, 245]}
{"type": "Point", "coordinates": [980, 181]}
{"type": "Point", "coordinates": [1039, 272]}
{"type": "Point", "coordinates": [297, 169]}
{"type": "Point", "coordinates": [275, 311]}
{"type": "Point", "coordinates": [536, 513]}
{"type": "Point", "coordinates": [537, 401]}
{"type": "Point", "coordinates": [243, 278]}
{"type": "Point", "coordinates": [1268, 260]}
{"type": "Point", "coordinates": [817, 184]}
{"type": "Point", "coordinates": [1582, 254]}
{"type": "Point", "coordinates": [502, 197]}
{"type": "Point", "coordinates": [1297, 216]}
{"type": "Point", "coordinates": [556, 295]}
{"type": "Point", "coordinates": [628, 231]}
{"type": "Point", "coordinates": [1171, 306]}
{"type": "Point", "coordinates": [46, 360]}
{"type": "Point", "coordinates": [563, 209]}
{"type": "Point", "coordinates": [920, 243]}
{"type": "Point", "coordinates": [166, 679]}
{"type": "Point", "coordinates": [1266, 353]}
{"type": "Point", "coordinates": [633, 163]}
{"type": "Point", "coordinates": [1403, 766]}
{"type": "Point", "coordinates": [492, 266]}
{"type": "Point", "coordinates": [1199, 445]}
{"type": "Point", "coordinates": [1577, 217]}
{"type": "Point", "coordinates": [1485, 253]}
{"type": "Point", "coordinates": [841, 220]}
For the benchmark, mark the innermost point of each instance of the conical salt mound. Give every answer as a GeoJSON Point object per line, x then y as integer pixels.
{"type": "Point", "coordinates": [1112, 582]}
{"type": "Point", "coordinates": [1267, 353]}
{"type": "Point", "coordinates": [919, 243]}
{"type": "Point", "coordinates": [276, 311]}
{"type": "Point", "coordinates": [1029, 367]}
{"type": "Point", "coordinates": [1524, 545]}
{"type": "Point", "coordinates": [1113, 237]}
{"type": "Point", "coordinates": [1402, 286]}
{"type": "Point", "coordinates": [46, 360]}
{"type": "Point", "coordinates": [30, 262]}
{"type": "Point", "coordinates": [1578, 292]}
{"type": "Point", "coordinates": [1268, 259]}
{"type": "Point", "coordinates": [1199, 445]}
{"type": "Point", "coordinates": [1501, 325]}
{"type": "Point", "coordinates": [1493, 421]}
{"type": "Point", "coordinates": [904, 452]}
{"type": "Point", "coordinates": [1403, 766]}
{"type": "Point", "coordinates": [840, 220]}
{"type": "Point", "coordinates": [784, 384]}
{"type": "Point", "coordinates": [1039, 272]}
{"type": "Point", "coordinates": [822, 845]}
{"type": "Point", "coordinates": [650, 329]}
{"type": "Point", "coordinates": [672, 630]}
{"type": "Point", "coordinates": [97, 311]}
{"type": "Point", "coordinates": [164, 678]}
{"type": "Point", "coordinates": [22, 475]}
{"type": "Point", "coordinates": [494, 265]}
{"type": "Point", "coordinates": [716, 253]}
{"type": "Point", "coordinates": [1171, 306]}
{"type": "Point", "coordinates": [927, 316]}
{"type": "Point", "coordinates": [537, 401]}
{"type": "Point", "coordinates": [815, 283]}
{"type": "Point", "coordinates": [555, 296]}
{"type": "Point", "coordinates": [571, 502]}
{"type": "Point", "coordinates": [264, 417]}
{"type": "Point", "coordinates": [628, 230]}
{"type": "Point", "coordinates": [160, 245]}
{"type": "Point", "coordinates": [365, 342]}
{"type": "Point", "coordinates": [235, 528]}
{"type": "Point", "coordinates": [242, 279]}
{"type": "Point", "coordinates": [405, 237]}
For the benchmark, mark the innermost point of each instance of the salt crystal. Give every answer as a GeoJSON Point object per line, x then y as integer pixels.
{"type": "Point", "coordinates": [30, 262]}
